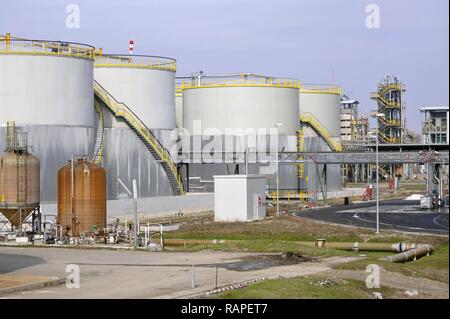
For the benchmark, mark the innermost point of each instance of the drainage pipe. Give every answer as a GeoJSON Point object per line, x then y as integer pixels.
{"type": "Point", "coordinates": [413, 254]}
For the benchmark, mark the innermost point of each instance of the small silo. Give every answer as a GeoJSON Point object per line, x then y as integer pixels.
{"type": "Point", "coordinates": [19, 179]}
{"type": "Point", "coordinates": [82, 197]}
{"type": "Point", "coordinates": [47, 88]}
{"type": "Point", "coordinates": [146, 84]}
{"type": "Point", "coordinates": [319, 107]}
{"type": "Point", "coordinates": [239, 106]}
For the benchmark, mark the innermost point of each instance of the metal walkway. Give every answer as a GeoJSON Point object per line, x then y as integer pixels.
{"type": "Point", "coordinates": [408, 157]}
{"type": "Point", "coordinates": [160, 154]}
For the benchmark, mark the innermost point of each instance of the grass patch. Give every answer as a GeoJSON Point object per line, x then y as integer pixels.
{"type": "Point", "coordinates": [308, 287]}
{"type": "Point", "coordinates": [435, 266]}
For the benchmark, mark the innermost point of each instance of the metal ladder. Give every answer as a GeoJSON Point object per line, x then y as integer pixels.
{"type": "Point", "coordinates": [159, 153]}
{"type": "Point", "coordinates": [301, 166]}
{"type": "Point", "coordinates": [308, 118]}
{"type": "Point", "coordinates": [99, 139]}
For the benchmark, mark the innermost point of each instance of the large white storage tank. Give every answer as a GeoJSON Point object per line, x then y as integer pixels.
{"type": "Point", "coordinates": [320, 105]}
{"type": "Point", "coordinates": [246, 104]}
{"type": "Point", "coordinates": [46, 87]}
{"type": "Point", "coordinates": [146, 84]}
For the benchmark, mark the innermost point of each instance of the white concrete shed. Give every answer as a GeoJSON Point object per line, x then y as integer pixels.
{"type": "Point", "coordinates": [239, 197]}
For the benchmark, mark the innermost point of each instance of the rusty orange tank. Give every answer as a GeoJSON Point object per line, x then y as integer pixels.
{"type": "Point", "coordinates": [88, 198]}
{"type": "Point", "coordinates": [19, 185]}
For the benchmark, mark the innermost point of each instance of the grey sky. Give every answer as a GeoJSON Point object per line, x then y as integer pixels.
{"type": "Point", "coordinates": [310, 40]}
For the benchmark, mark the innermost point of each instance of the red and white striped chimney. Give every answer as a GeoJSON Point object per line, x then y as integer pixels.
{"type": "Point", "coordinates": [131, 46]}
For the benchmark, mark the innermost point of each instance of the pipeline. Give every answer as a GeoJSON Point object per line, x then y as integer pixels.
{"type": "Point", "coordinates": [412, 254]}
{"type": "Point", "coordinates": [355, 246]}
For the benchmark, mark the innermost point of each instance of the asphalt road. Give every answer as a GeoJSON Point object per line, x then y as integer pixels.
{"type": "Point", "coordinates": [400, 215]}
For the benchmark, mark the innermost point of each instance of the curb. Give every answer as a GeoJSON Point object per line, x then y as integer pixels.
{"type": "Point", "coordinates": [37, 285]}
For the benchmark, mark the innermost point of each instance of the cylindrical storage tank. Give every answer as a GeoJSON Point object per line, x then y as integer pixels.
{"type": "Point", "coordinates": [19, 184]}
{"type": "Point", "coordinates": [242, 106]}
{"type": "Point", "coordinates": [146, 84]}
{"type": "Point", "coordinates": [87, 192]}
{"type": "Point", "coordinates": [46, 87]}
{"type": "Point", "coordinates": [179, 108]}
{"type": "Point", "coordinates": [323, 104]}
{"type": "Point", "coordinates": [239, 107]}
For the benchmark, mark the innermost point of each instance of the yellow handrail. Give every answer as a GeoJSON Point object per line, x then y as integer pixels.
{"type": "Point", "coordinates": [321, 89]}
{"type": "Point", "coordinates": [121, 110]}
{"type": "Point", "coordinates": [240, 82]}
{"type": "Point", "coordinates": [390, 122]}
{"type": "Point", "coordinates": [384, 88]}
{"type": "Point", "coordinates": [392, 104]}
{"type": "Point", "coordinates": [135, 61]}
{"type": "Point", "coordinates": [16, 46]}
{"type": "Point", "coordinates": [310, 119]}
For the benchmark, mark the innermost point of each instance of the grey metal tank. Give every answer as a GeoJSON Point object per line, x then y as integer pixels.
{"type": "Point", "coordinates": [240, 105]}
{"type": "Point", "coordinates": [146, 84]}
{"type": "Point", "coordinates": [322, 104]}
{"type": "Point", "coordinates": [46, 88]}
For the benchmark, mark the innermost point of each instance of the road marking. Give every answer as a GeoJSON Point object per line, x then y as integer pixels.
{"type": "Point", "coordinates": [408, 227]}
{"type": "Point", "coordinates": [434, 221]}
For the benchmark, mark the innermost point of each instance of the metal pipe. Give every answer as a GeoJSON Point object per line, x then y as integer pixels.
{"type": "Point", "coordinates": [355, 246]}
{"type": "Point", "coordinates": [412, 254]}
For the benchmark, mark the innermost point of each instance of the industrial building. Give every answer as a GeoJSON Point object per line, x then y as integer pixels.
{"type": "Point", "coordinates": [391, 103]}
{"type": "Point", "coordinates": [435, 124]}
{"type": "Point", "coordinates": [354, 135]}
{"type": "Point", "coordinates": [354, 128]}
{"type": "Point", "coordinates": [103, 129]}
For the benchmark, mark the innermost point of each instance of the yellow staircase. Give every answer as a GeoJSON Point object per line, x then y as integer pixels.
{"type": "Point", "coordinates": [145, 134]}
{"type": "Point", "coordinates": [386, 103]}
{"type": "Point", "coordinates": [311, 120]}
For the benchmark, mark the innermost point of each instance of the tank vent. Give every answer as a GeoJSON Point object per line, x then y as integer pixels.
{"type": "Point", "coordinates": [16, 140]}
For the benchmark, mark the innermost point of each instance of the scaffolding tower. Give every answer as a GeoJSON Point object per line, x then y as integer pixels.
{"type": "Point", "coordinates": [392, 126]}
{"type": "Point", "coordinates": [390, 99]}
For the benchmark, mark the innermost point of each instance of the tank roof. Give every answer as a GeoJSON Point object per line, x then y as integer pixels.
{"type": "Point", "coordinates": [135, 61]}
{"type": "Point", "coordinates": [19, 46]}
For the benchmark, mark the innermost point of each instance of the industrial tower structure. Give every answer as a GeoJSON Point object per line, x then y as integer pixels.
{"type": "Point", "coordinates": [391, 126]}
{"type": "Point", "coordinates": [390, 100]}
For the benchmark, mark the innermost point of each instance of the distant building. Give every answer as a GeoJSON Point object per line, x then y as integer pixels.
{"type": "Point", "coordinates": [353, 128]}
{"type": "Point", "coordinates": [435, 123]}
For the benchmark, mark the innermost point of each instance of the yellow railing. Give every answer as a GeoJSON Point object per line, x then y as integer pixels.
{"type": "Point", "coordinates": [388, 103]}
{"type": "Point", "coordinates": [310, 119]}
{"type": "Point", "coordinates": [16, 46]}
{"type": "Point", "coordinates": [390, 122]}
{"type": "Point", "coordinates": [384, 88]}
{"type": "Point", "coordinates": [321, 89]}
{"type": "Point", "coordinates": [387, 139]}
{"type": "Point", "coordinates": [289, 195]}
{"type": "Point", "coordinates": [121, 110]}
{"type": "Point", "coordinates": [135, 61]}
{"type": "Point", "coordinates": [239, 82]}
